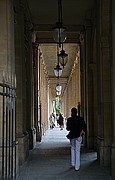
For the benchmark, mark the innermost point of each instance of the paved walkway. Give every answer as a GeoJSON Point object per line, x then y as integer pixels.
{"type": "Point", "coordinates": [50, 160]}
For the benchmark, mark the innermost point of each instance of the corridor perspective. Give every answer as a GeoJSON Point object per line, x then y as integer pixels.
{"type": "Point", "coordinates": [51, 160]}
{"type": "Point", "coordinates": [56, 55]}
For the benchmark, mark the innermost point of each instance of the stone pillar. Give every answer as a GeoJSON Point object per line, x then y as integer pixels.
{"type": "Point", "coordinates": [7, 54]}
{"type": "Point", "coordinates": [95, 122]}
{"type": "Point", "coordinates": [30, 84]}
{"type": "Point", "coordinates": [82, 75]}
{"type": "Point", "coordinates": [7, 74]}
{"type": "Point", "coordinates": [105, 130]}
{"type": "Point", "coordinates": [77, 75]}
{"type": "Point", "coordinates": [43, 95]}
{"type": "Point", "coordinates": [113, 90]}
{"type": "Point", "coordinates": [22, 51]}
{"type": "Point", "coordinates": [35, 69]}
{"type": "Point", "coordinates": [89, 86]}
{"type": "Point", "coordinates": [39, 98]}
{"type": "Point", "coordinates": [71, 100]}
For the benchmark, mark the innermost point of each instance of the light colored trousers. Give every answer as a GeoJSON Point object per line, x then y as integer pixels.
{"type": "Point", "coordinates": [75, 152]}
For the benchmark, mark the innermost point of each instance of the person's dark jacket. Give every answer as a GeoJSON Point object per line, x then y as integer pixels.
{"type": "Point", "coordinates": [75, 125]}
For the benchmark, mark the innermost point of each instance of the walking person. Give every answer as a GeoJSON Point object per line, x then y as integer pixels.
{"type": "Point", "coordinates": [51, 119]}
{"type": "Point", "coordinates": [61, 121]}
{"type": "Point", "coordinates": [76, 127]}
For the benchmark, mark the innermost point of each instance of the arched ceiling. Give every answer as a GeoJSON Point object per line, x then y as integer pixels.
{"type": "Point", "coordinates": [44, 15]}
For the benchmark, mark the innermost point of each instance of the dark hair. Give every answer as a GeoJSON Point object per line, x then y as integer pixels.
{"type": "Point", "coordinates": [73, 111]}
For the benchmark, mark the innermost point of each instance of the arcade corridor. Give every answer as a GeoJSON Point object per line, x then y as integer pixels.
{"type": "Point", "coordinates": [51, 160]}
{"type": "Point", "coordinates": [31, 60]}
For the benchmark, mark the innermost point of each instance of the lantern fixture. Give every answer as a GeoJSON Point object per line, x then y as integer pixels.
{"type": "Point", "coordinates": [58, 71]}
{"type": "Point", "coordinates": [63, 57]}
{"type": "Point", "coordinates": [59, 29]}
{"type": "Point", "coordinates": [58, 93]}
{"type": "Point", "coordinates": [58, 87]}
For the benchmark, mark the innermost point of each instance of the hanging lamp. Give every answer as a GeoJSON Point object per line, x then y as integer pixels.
{"type": "Point", "coordinates": [58, 87]}
{"type": "Point", "coordinates": [59, 29]}
{"type": "Point", "coordinates": [57, 69]}
{"type": "Point", "coordinates": [63, 57]}
{"type": "Point", "coordinates": [58, 93]}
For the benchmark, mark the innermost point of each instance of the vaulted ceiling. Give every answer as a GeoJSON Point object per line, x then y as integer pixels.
{"type": "Point", "coordinates": [44, 15]}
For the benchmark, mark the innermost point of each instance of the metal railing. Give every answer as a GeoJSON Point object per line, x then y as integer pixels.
{"type": "Point", "coordinates": [8, 131]}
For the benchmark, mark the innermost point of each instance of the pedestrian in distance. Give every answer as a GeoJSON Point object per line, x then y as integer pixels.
{"type": "Point", "coordinates": [61, 119]}
{"type": "Point", "coordinates": [51, 119]}
{"type": "Point", "coordinates": [76, 127]}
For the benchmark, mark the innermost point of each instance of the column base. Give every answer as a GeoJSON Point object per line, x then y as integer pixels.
{"type": "Point", "coordinates": [32, 138]}
{"type": "Point", "coordinates": [23, 148]}
{"type": "Point", "coordinates": [103, 153]}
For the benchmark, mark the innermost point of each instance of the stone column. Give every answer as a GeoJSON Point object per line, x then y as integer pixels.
{"type": "Point", "coordinates": [95, 122]}
{"type": "Point", "coordinates": [22, 51]}
{"type": "Point", "coordinates": [7, 52]}
{"type": "Point", "coordinates": [104, 82]}
{"type": "Point", "coordinates": [113, 90]}
{"type": "Point", "coordinates": [77, 75]}
{"type": "Point", "coordinates": [82, 75]}
{"type": "Point", "coordinates": [35, 69]}
{"type": "Point", "coordinates": [44, 97]}
{"type": "Point", "coordinates": [7, 72]}
{"type": "Point", "coordinates": [89, 86]}
{"type": "Point", "coordinates": [39, 96]}
{"type": "Point", "coordinates": [30, 84]}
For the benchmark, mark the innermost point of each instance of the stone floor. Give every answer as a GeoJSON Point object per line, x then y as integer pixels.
{"type": "Point", "coordinates": [50, 160]}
